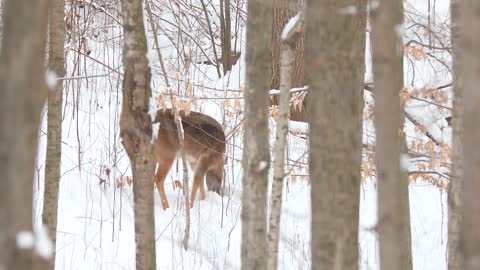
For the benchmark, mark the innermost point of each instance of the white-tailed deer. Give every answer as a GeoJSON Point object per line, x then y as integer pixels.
{"type": "Point", "coordinates": [204, 146]}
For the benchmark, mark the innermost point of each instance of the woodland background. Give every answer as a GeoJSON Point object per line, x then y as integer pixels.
{"type": "Point", "coordinates": [203, 57]}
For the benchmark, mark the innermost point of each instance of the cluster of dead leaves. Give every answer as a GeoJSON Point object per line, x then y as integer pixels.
{"type": "Point", "coordinates": [185, 105]}
{"type": "Point", "coordinates": [415, 52]}
{"type": "Point", "coordinates": [432, 179]}
{"type": "Point", "coordinates": [296, 101]}
{"type": "Point", "coordinates": [434, 95]}
{"type": "Point", "coordinates": [123, 181]}
{"type": "Point", "coordinates": [120, 181]}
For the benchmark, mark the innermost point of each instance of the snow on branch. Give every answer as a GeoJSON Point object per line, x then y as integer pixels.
{"type": "Point", "coordinates": [292, 90]}
{"type": "Point", "coordinates": [294, 26]}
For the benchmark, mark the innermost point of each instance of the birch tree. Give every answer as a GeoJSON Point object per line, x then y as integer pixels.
{"type": "Point", "coordinates": [256, 156]}
{"type": "Point", "coordinates": [56, 64]}
{"type": "Point", "coordinates": [455, 261]}
{"type": "Point", "coordinates": [335, 47]}
{"type": "Point", "coordinates": [23, 90]}
{"type": "Point", "coordinates": [136, 130]}
{"type": "Point", "coordinates": [467, 45]}
{"type": "Point", "coordinates": [392, 180]}
{"type": "Point", "coordinates": [289, 40]}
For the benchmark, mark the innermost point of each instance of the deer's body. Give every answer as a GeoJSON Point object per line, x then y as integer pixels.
{"type": "Point", "coordinates": [204, 146]}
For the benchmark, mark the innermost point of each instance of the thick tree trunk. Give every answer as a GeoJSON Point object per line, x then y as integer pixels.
{"type": "Point", "coordinates": [283, 10]}
{"type": "Point", "coordinates": [335, 46]}
{"type": "Point", "coordinates": [136, 130]}
{"type": "Point", "coordinates": [455, 261]}
{"type": "Point", "coordinates": [392, 180]}
{"type": "Point", "coordinates": [256, 155]}
{"type": "Point", "coordinates": [56, 63]}
{"type": "Point", "coordinates": [469, 68]}
{"type": "Point", "coordinates": [22, 76]}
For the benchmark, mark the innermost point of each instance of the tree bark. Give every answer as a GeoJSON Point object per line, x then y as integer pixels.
{"type": "Point", "coordinates": [23, 90]}
{"type": "Point", "coordinates": [392, 180]}
{"type": "Point", "coordinates": [56, 63]}
{"type": "Point", "coordinates": [226, 35]}
{"type": "Point", "coordinates": [283, 10]}
{"type": "Point", "coordinates": [256, 155]}
{"type": "Point", "coordinates": [455, 261]}
{"type": "Point", "coordinates": [468, 43]}
{"type": "Point", "coordinates": [136, 130]}
{"type": "Point", "coordinates": [335, 46]}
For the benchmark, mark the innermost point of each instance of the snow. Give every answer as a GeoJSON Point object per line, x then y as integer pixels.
{"type": "Point", "coordinates": [51, 79]}
{"type": "Point", "coordinates": [43, 244]}
{"type": "Point", "coordinates": [290, 25]}
{"type": "Point", "coordinates": [274, 92]}
{"type": "Point", "coordinates": [405, 162]}
{"type": "Point", "coordinates": [349, 10]}
{"type": "Point", "coordinates": [25, 240]}
{"type": "Point", "coordinates": [95, 217]}
{"type": "Point", "coordinates": [400, 31]}
{"type": "Point", "coordinates": [152, 108]}
{"type": "Point", "coordinates": [155, 129]}
{"type": "Point", "coordinates": [262, 165]}
{"type": "Point", "coordinates": [38, 240]}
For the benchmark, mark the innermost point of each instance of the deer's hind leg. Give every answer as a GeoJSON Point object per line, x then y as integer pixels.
{"type": "Point", "coordinates": [164, 165]}
{"type": "Point", "coordinates": [201, 167]}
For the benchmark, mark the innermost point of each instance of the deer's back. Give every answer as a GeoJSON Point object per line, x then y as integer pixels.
{"type": "Point", "coordinates": [202, 134]}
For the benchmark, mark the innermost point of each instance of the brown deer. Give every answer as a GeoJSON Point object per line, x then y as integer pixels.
{"type": "Point", "coordinates": [204, 146]}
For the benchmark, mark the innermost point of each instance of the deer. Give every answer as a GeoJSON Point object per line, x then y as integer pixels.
{"type": "Point", "coordinates": [204, 148]}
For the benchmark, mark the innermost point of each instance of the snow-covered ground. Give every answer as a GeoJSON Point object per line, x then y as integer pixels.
{"type": "Point", "coordinates": [95, 218]}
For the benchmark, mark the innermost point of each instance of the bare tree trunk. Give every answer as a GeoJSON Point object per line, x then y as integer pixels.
{"type": "Point", "coordinates": [226, 35]}
{"type": "Point", "coordinates": [22, 76]}
{"type": "Point", "coordinates": [212, 38]}
{"type": "Point", "coordinates": [178, 123]}
{"type": "Point", "coordinates": [1, 21]}
{"type": "Point", "coordinates": [56, 63]}
{"type": "Point", "coordinates": [283, 10]}
{"type": "Point", "coordinates": [469, 67]}
{"type": "Point", "coordinates": [392, 180]}
{"type": "Point", "coordinates": [455, 261]}
{"type": "Point", "coordinates": [256, 155]}
{"type": "Point", "coordinates": [287, 60]}
{"type": "Point", "coordinates": [335, 46]}
{"type": "Point", "coordinates": [136, 130]}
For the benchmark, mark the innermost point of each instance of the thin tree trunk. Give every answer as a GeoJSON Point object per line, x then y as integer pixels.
{"type": "Point", "coordinates": [22, 76]}
{"type": "Point", "coordinates": [256, 156]}
{"type": "Point", "coordinates": [212, 38]}
{"type": "Point", "coordinates": [228, 37]}
{"type": "Point", "coordinates": [136, 130]}
{"type": "Point", "coordinates": [178, 122]}
{"type": "Point", "coordinates": [287, 61]}
{"type": "Point", "coordinates": [186, 193]}
{"type": "Point", "coordinates": [335, 46]}
{"type": "Point", "coordinates": [455, 261]}
{"type": "Point", "coordinates": [222, 36]}
{"type": "Point", "coordinates": [469, 67]}
{"type": "Point", "coordinates": [392, 180]}
{"type": "Point", "coordinates": [56, 63]}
